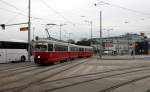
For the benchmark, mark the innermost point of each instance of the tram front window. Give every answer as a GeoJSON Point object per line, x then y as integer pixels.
{"type": "Point", "coordinates": [40, 48]}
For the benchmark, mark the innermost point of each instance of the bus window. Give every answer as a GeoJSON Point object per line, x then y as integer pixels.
{"type": "Point", "coordinates": [40, 48]}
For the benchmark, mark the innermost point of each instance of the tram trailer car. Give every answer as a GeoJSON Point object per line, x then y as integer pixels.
{"type": "Point", "coordinates": [73, 51]}
{"type": "Point", "coordinates": [85, 51]}
{"type": "Point", "coordinates": [52, 51]}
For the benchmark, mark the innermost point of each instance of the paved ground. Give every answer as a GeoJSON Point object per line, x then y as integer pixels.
{"type": "Point", "coordinates": [81, 75]}
{"type": "Point", "coordinates": [110, 57]}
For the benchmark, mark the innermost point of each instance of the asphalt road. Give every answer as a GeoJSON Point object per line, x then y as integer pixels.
{"type": "Point", "coordinates": [81, 75]}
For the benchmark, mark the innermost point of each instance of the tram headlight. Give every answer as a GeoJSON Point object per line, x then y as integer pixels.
{"type": "Point", "coordinates": [39, 57]}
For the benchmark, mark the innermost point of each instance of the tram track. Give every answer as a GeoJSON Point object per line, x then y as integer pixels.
{"type": "Point", "coordinates": [124, 83]}
{"type": "Point", "coordinates": [18, 71]}
{"type": "Point", "coordinates": [32, 81]}
{"type": "Point", "coordinates": [43, 69]}
{"type": "Point", "coordinates": [103, 72]}
{"type": "Point", "coordinates": [148, 90]}
{"type": "Point", "coordinates": [16, 68]}
{"type": "Point", "coordinates": [88, 80]}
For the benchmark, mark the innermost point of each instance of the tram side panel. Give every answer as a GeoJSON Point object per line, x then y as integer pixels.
{"type": "Point", "coordinates": [85, 52]}
{"type": "Point", "coordinates": [73, 52]}
{"type": "Point", "coordinates": [49, 52]}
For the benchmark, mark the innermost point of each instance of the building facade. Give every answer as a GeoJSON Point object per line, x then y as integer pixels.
{"type": "Point", "coordinates": [123, 44]}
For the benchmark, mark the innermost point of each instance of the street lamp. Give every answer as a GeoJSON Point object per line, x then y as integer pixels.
{"type": "Point", "coordinates": [29, 30]}
{"type": "Point", "coordinates": [60, 30]}
{"type": "Point", "coordinates": [101, 42]}
{"type": "Point", "coordinates": [69, 34]}
{"type": "Point", "coordinates": [101, 49]}
{"type": "Point", "coordinates": [90, 22]}
{"type": "Point", "coordinates": [100, 33]}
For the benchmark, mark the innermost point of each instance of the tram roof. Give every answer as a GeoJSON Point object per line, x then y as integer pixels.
{"type": "Point", "coordinates": [51, 41]}
{"type": "Point", "coordinates": [62, 43]}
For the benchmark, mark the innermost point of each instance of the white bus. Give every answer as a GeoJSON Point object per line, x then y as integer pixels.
{"type": "Point", "coordinates": [13, 51]}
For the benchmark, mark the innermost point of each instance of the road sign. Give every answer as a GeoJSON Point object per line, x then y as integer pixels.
{"type": "Point", "coordinates": [24, 29]}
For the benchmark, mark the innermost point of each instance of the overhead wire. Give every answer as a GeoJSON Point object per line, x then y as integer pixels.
{"type": "Point", "coordinates": [19, 11]}
{"type": "Point", "coordinates": [131, 10]}
{"type": "Point", "coordinates": [13, 11]}
{"type": "Point", "coordinates": [49, 7]}
{"type": "Point", "coordinates": [106, 2]}
{"type": "Point", "coordinates": [10, 5]}
{"type": "Point", "coordinates": [121, 7]}
{"type": "Point", "coordinates": [22, 14]}
{"type": "Point", "coordinates": [14, 17]}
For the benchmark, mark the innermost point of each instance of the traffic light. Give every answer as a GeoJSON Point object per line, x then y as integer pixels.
{"type": "Point", "coordinates": [3, 26]}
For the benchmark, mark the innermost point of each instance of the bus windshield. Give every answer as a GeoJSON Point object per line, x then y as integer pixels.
{"type": "Point", "coordinates": [40, 48]}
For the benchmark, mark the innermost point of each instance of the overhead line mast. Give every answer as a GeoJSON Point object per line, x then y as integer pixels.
{"type": "Point", "coordinates": [29, 31]}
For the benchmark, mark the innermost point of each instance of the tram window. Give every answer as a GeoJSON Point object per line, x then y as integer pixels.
{"type": "Point", "coordinates": [61, 48]}
{"type": "Point", "coordinates": [76, 49]}
{"type": "Point", "coordinates": [85, 49]}
{"type": "Point", "coordinates": [81, 49]}
{"type": "Point", "coordinates": [65, 48]}
{"type": "Point", "coordinates": [73, 49]}
{"type": "Point", "coordinates": [40, 48]}
{"type": "Point", "coordinates": [50, 47]}
{"type": "Point", "coordinates": [57, 48]}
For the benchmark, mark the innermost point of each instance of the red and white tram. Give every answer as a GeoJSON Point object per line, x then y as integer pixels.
{"type": "Point", "coordinates": [52, 51]}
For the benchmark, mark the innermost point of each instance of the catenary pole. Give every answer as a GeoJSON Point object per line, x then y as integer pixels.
{"type": "Point", "coordinates": [101, 49]}
{"type": "Point", "coordinates": [91, 33]}
{"type": "Point", "coordinates": [60, 31]}
{"type": "Point", "coordinates": [29, 30]}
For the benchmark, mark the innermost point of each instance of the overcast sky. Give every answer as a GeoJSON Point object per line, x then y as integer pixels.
{"type": "Point", "coordinates": [122, 16]}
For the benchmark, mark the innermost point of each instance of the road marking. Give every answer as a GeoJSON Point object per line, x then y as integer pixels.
{"type": "Point", "coordinates": [87, 69]}
{"type": "Point", "coordinates": [100, 68]}
{"type": "Point", "coordinates": [79, 69]}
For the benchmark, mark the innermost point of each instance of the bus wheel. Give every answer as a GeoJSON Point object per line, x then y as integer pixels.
{"type": "Point", "coordinates": [23, 58]}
